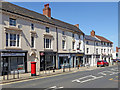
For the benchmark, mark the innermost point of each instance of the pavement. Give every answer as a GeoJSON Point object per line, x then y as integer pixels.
{"type": "Point", "coordinates": [105, 77]}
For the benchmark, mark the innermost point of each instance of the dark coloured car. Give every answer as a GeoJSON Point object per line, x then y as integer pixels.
{"type": "Point", "coordinates": [102, 63]}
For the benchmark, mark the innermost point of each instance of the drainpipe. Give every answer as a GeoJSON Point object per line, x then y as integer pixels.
{"type": "Point", "coordinates": [57, 47]}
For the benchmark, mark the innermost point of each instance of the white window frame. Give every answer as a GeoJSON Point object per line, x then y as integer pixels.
{"type": "Point", "coordinates": [50, 43]}
{"type": "Point", "coordinates": [16, 40]}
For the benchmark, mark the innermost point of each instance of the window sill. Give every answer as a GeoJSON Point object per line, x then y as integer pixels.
{"type": "Point", "coordinates": [64, 50]}
{"type": "Point", "coordinates": [32, 31]}
{"type": "Point", "coordinates": [33, 48]}
{"type": "Point", "coordinates": [17, 48]}
{"type": "Point", "coordinates": [48, 34]}
{"type": "Point", "coordinates": [48, 49]}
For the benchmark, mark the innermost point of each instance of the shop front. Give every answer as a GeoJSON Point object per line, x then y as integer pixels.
{"type": "Point", "coordinates": [13, 60]}
{"type": "Point", "coordinates": [63, 60]}
{"type": "Point", "coordinates": [47, 60]}
{"type": "Point", "coordinates": [79, 59]}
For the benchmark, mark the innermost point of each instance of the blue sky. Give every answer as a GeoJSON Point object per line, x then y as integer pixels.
{"type": "Point", "coordinates": [99, 16]}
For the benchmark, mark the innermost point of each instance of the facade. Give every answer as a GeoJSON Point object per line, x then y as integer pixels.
{"type": "Point", "coordinates": [29, 36]}
{"type": "Point", "coordinates": [97, 48]}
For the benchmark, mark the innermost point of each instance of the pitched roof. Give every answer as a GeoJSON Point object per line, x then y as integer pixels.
{"type": "Point", "coordinates": [9, 7]}
{"type": "Point", "coordinates": [103, 39]}
{"type": "Point", "coordinates": [89, 37]}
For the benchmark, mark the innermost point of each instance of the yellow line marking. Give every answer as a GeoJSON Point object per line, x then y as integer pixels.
{"type": "Point", "coordinates": [37, 78]}
{"type": "Point", "coordinates": [111, 79]}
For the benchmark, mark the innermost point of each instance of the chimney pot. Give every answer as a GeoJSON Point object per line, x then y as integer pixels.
{"type": "Point", "coordinates": [77, 25]}
{"type": "Point", "coordinates": [93, 33]}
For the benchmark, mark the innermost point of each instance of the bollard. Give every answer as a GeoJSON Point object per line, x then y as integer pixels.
{"type": "Point", "coordinates": [64, 68]}
{"type": "Point", "coordinates": [14, 74]}
{"type": "Point", "coordinates": [69, 68]}
{"type": "Point", "coordinates": [18, 74]}
{"type": "Point", "coordinates": [8, 75]}
{"type": "Point", "coordinates": [3, 76]}
{"type": "Point", "coordinates": [53, 69]}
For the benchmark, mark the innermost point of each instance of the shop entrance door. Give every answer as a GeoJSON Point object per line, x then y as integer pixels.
{"type": "Point", "coordinates": [5, 65]}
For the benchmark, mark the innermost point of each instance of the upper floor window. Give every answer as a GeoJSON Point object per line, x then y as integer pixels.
{"type": "Point", "coordinates": [47, 43]}
{"type": "Point", "coordinates": [101, 43]}
{"type": "Point", "coordinates": [32, 41]}
{"type": "Point", "coordinates": [47, 29]}
{"type": "Point", "coordinates": [63, 44]}
{"type": "Point", "coordinates": [108, 50]}
{"type": "Point", "coordinates": [73, 35]}
{"type": "Point", "coordinates": [87, 42]}
{"type": "Point", "coordinates": [107, 44]}
{"type": "Point", "coordinates": [79, 45]}
{"type": "Point", "coordinates": [73, 45]}
{"type": "Point", "coordinates": [12, 40]}
{"type": "Point", "coordinates": [96, 51]}
{"type": "Point", "coordinates": [87, 50]}
{"type": "Point", "coordinates": [101, 50]}
{"type": "Point", "coordinates": [12, 22]}
{"type": "Point", "coordinates": [32, 26]}
{"type": "Point", "coordinates": [104, 43]}
{"type": "Point", "coordinates": [96, 44]}
{"type": "Point", "coordinates": [79, 36]}
{"type": "Point", "coordinates": [104, 50]}
{"type": "Point", "coordinates": [63, 33]}
{"type": "Point", "coordinates": [6, 39]}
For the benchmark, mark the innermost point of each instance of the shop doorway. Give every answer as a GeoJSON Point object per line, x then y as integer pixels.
{"type": "Point", "coordinates": [5, 66]}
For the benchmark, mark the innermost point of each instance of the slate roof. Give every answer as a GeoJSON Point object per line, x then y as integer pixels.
{"type": "Point", "coordinates": [103, 39]}
{"type": "Point", "coordinates": [9, 7]}
{"type": "Point", "coordinates": [89, 37]}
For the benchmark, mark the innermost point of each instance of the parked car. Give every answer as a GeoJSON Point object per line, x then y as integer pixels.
{"type": "Point", "coordinates": [102, 63]}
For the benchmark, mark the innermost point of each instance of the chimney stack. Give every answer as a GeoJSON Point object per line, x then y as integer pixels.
{"type": "Point", "coordinates": [93, 33]}
{"type": "Point", "coordinates": [47, 10]}
{"type": "Point", "coordinates": [77, 25]}
{"type": "Point", "coordinates": [116, 49]}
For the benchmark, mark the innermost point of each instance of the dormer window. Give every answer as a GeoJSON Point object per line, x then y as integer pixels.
{"type": "Point", "coordinates": [32, 26]}
{"type": "Point", "coordinates": [47, 30]}
{"type": "Point", "coordinates": [63, 33]}
{"type": "Point", "coordinates": [73, 35]}
{"type": "Point", "coordinates": [12, 22]}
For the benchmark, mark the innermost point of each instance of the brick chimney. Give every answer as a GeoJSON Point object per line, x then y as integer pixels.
{"type": "Point", "coordinates": [116, 49]}
{"type": "Point", "coordinates": [77, 25]}
{"type": "Point", "coordinates": [47, 10]}
{"type": "Point", "coordinates": [92, 33]}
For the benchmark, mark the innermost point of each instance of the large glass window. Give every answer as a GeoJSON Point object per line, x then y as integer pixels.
{"type": "Point", "coordinates": [12, 22]}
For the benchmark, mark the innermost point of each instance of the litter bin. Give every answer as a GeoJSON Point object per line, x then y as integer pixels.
{"type": "Point", "coordinates": [33, 68]}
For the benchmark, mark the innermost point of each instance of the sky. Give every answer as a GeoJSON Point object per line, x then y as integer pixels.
{"type": "Point", "coordinates": [99, 16]}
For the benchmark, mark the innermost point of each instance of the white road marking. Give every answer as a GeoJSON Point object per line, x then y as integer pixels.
{"type": "Point", "coordinates": [82, 81]}
{"type": "Point", "coordinates": [53, 87]}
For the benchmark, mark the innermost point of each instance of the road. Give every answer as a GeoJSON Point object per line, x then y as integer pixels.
{"type": "Point", "coordinates": [98, 78]}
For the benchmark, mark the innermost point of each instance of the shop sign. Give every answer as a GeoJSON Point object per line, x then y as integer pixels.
{"type": "Point", "coordinates": [79, 54]}
{"type": "Point", "coordinates": [12, 54]}
{"type": "Point", "coordinates": [63, 55]}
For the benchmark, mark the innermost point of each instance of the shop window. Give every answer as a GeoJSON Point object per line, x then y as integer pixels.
{"type": "Point", "coordinates": [47, 43]}
{"type": "Point", "coordinates": [12, 22]}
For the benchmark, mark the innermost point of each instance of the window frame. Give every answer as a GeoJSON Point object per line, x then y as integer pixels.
{"type": "Point", "coordinates": [12, 22]}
